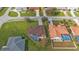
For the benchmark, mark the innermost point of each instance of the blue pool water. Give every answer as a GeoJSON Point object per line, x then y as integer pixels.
{"type": "Point", "coordinates": [66, 37]}
{"type": "Point", "coordinates": [35, 37]}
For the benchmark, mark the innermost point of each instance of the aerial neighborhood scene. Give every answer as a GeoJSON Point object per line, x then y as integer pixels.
{"type": "Point", "coordinates": [39, 29]}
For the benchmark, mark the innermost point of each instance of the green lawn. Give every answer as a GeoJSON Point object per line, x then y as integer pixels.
{"type": "Point", "coordinates": [3, 10]}
{"type": "Point", "coordinates": [76, 13]}
{"type": "Point", "coordinates": [13, 14]}
{"type": "Point", "coordinates": [59, 14]}
{"type": "Point", "coordinates": [27, 13]}
{"type": "Point", "coordinates": [19, 28]}
{"type": "Point", "coordinates": [69, 14]}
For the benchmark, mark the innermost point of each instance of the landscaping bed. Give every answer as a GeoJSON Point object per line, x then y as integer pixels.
{"type": "Point", "coordinates": [54, 12]}
{"type": "Point", "coordinates": [13, 14]}
{"type": "Point", "coordinates": [27, 13]}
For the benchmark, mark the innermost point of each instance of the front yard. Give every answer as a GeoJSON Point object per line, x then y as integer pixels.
{"type": "Point", "coordinates": [77, 13]}
{"type": "Point", "coordinates": [69, 14]}
{"type": "Point", "coordinates": [27, 13]}
{"type": "Point", "coordinates": [54, 12]}
{"type": "Point", "coordinates": [3, 10]}
{"type": "Point", "coordinates": [13, 14]}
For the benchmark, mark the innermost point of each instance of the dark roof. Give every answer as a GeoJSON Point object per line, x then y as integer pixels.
{"type": "Point", "coordinates": [38, 30]}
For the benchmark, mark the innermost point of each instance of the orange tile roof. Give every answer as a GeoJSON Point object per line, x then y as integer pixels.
{"type": "Point", "coordinates": [52, 31]}
{"type": "Point", "coordinates": [61, 29]}
{"type": "Point", "coordinates": [57, 30]}
{"type": "Point", "coordinates": [75, 29]}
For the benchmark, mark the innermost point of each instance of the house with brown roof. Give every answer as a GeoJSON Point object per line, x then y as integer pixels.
{"type": "Point", "coordinates": [59, 33]}
{"type": "Point", "coordinates": [33, 8]}
{"type": "Point", "coordinates": [37, 33]}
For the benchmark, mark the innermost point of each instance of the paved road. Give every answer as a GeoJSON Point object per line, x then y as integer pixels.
{"type": "Point", "coordinates": [5, 17]}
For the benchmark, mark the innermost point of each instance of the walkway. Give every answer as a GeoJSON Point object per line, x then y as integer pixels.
{"type": "Point", "coordinates": [44, 12]}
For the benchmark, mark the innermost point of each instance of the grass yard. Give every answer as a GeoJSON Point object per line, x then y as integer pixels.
{"type": "Point", "coordinates": [13, 14]}
{"type": "Point", "coordinates": [27, 13]}
{"type": "Point", "coordinates": [58, 14]}
{"type": "Point", "coordinates": [18, 28]}
{"type": "Point", "coordinates": [69, 14]}
{"type": "Point", "coordinates": [77, 13]}
{"type": "Point", "coordinates": [3, 10]}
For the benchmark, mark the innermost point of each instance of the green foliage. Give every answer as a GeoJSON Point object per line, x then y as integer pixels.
{"type": "Point", "coordinates": [13, 14]}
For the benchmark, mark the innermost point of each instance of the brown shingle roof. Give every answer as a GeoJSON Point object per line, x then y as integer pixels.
{"type": "Point", "coordinates": [38, 30]}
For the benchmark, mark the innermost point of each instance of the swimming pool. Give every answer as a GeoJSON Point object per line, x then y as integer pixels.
{"type": "Point", "coordinates": [66, 37]}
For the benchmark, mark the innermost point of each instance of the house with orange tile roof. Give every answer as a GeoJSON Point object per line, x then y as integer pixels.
{"type": "Point", "coordinates": [75, 32]}
{"type": "Point", "coordinates": [59, 33]}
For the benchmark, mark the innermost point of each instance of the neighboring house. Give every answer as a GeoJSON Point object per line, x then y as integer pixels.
{"type": "Point", "coordinates": [14, 44]}
{"type": "Point", "coordinates": [59, 33]}
{"type": "Point", "coordinates": [37, 33]}
{"type": "Point", "coordinates": [75, 32]}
